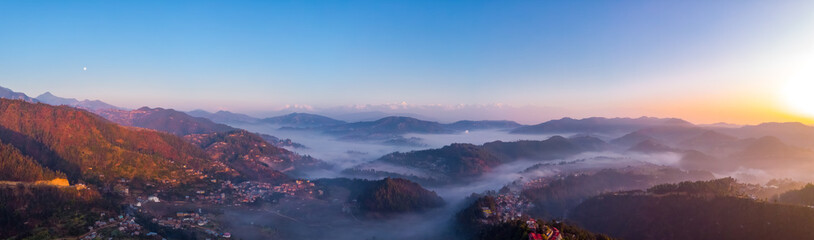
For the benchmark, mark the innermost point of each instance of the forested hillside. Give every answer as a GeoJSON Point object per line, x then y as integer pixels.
{"type": "Point", "coordinates": [88, 147]}
{"type": "Point", "coordinates": [14, 166]}
{"type": "Point", "coordinates": [693, 210]}
{"type": "Point", "coordinates": [386, 196]}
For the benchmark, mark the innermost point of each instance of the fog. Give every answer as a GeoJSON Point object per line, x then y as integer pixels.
{"type": "Point", "coordinates": [797, 172]}
{"type": "Point", "coordinates": [344, 153]}
{"type": "Point", "coordinates": [477, 137]}
{"type": "Point", "coordinates": [434, 224]}
{"type": "Point", "coordinates": [320, 220]}
{"type": "Point", "coordinates": [315, 219]}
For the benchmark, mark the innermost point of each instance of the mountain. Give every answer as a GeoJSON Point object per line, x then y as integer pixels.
{"type": "Point", "coordinates": [95, 105]}
{"type": "Point", "coordinates": [302, 120]}
{"type": "Point", "coordinates": [699, 150]}
{"type": "Point", "coordinates": [699, 210]}
{"type": "Point", "coordinates": [385, 197]}
{"type": "Point", "coordinates": [556, 198]}
{"type": "Point", "coordinates": [92, 105]}
{"type": "Point", "coordinates": [395, 195]}
{"type": "Point", "coordinates": [224, 117]}
{"type": "Point", "coordinates": [631, 139]}
{"type": "Point", "coordinates": [386, 127]}
{"type": "Point", "coordinates": [672, 134]}
{"type": "Point", "coordinates": [693, 159]}
{"type": "Point", "coordinates": [793, 133]}
{"type": "Point", "coordinates": [711, 149]}
{"type": "Point", "coordinates": [457, 162]}
{"type": "Point", "coordinates": [14, 166]}
{"type": "Point", "coordinates": [803, 196]}
{"type": "Point", "coordinates": [49, 98]}
{"type": "Point", "coordinates": [710, 142]}
{"type": "Point", "coordinates": [589, 143]}
{"type": "Point", "coordinates": [771, 151]}
{"type": "Point", "coordinates": [165, 120]}
{"type": "Point", "coordinates": [551, 148]}
{"type": "Point", "coordinates": [250, 154]}
{"type": "Point", "coordinates": [650, 146]}
{"type": "Point", "coordinates": [37, 211]}
{"type": "Point", "coordinates": [598, 125]}
{"type": "Point", "coordinates": [477, 125]}
{"type": "Point", "coordinates": [389, 129]}
{"type": "Point", "coordinates": [370, 115]}
{"type": "Point", "coordinates": [9, 94]}
{"type": "Point", "coordinates": [278, 142]}
{"type": "Point", "coordinates": [87, 147]}
{"type": "Point", "coordinates": [720, 125]}
{"type": "Point", "coordinates": [667, 135]}
{"type": "Point", "coordinates": [247, 152]}
{"type": "Point", "coordinates": [472, 223]}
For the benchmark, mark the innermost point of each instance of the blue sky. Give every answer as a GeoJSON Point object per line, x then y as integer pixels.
{"type": "Point", "coordinates": [597, 57]}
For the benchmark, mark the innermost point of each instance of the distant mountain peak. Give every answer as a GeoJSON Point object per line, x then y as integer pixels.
{"type": "Point", "coordinates": [302, 120]}
{"type": "Point", "coordinates": [768, 141]}
{"type": "Point", "coordinates": [223, 116]}
{"type": "Point", "coordinates": [716, 135]}
{"type": "Point", "coordinates": [599, 125]}
{"type": "Point", "coordinates": [93, 105]}
{"type": "Point", "coordinates": [650, 146]}
{"type": "Point", "coordinates": [166, 120]}
{"type": "Point", "coordinates": [782, 124]}
{"type": "Point", "coordinates": [9, 94]}
{"type": "Point", "coordinates": [399, 119]}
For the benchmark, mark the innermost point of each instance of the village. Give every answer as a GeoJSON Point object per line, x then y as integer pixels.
{"type": "Point", "coordinates": [511, 206]}
{"type": "Point", "coordinates": [249, 191]}
{"type": "Point", "coordinates": [123, 226]}
{"type": "Point", "coordinates": [195, 221]}
{"type": "Point", "coordinates": [220, 193]}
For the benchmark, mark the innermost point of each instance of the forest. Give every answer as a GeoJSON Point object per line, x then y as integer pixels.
{"type": "Point", "coordinates": [693, 210]}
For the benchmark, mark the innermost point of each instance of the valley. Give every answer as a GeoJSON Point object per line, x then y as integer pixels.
{"type": "Point", "coordinates": [153, 173]}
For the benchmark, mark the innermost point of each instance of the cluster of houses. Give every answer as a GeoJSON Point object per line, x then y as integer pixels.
{"type": "Point", "coordinates": [124, 224]}
{"type": "Point", "coordinates": [509, 207]}
{"type": "Point", "coordinates": [536, 183]}
{"type": "Point", "coordinates": [139, 201]}
{"type": "Point", "coordinates": [191, 221]}
{"type": "Point", "coordinates": [542, 232]}
{"type": "Point", "coordinates": [183, 220]}
{"type": "Point", "coordinates": [512, 206]}
{"type": "Point", "coordinates": [211, 198]}
{"type": "Point", "coordinates": [247, 192]}
{"type": "Point", "coordinates": [300, 188]}
{"type": "Point", "coordinates": [192, 172]}
{"type": "Point", "coordinates": [545, 181]}
{"type": "Point", "coordinates": [250, 191]}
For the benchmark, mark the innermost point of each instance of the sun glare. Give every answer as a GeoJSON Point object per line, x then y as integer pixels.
{"type": "Point", "coordinates": [798, 95]}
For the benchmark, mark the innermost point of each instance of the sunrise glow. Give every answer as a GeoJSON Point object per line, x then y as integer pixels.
{"type": "Point", "coordinates": [798, 95]}
{"type": "Point", "coordinates": [407, 119]}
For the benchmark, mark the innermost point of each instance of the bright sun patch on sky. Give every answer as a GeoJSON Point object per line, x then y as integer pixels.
{"type": "Point", "coordinates": [798, 95]}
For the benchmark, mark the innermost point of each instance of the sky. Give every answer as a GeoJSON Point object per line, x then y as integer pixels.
{"type": "Point", "coordinates": [705, 61]}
